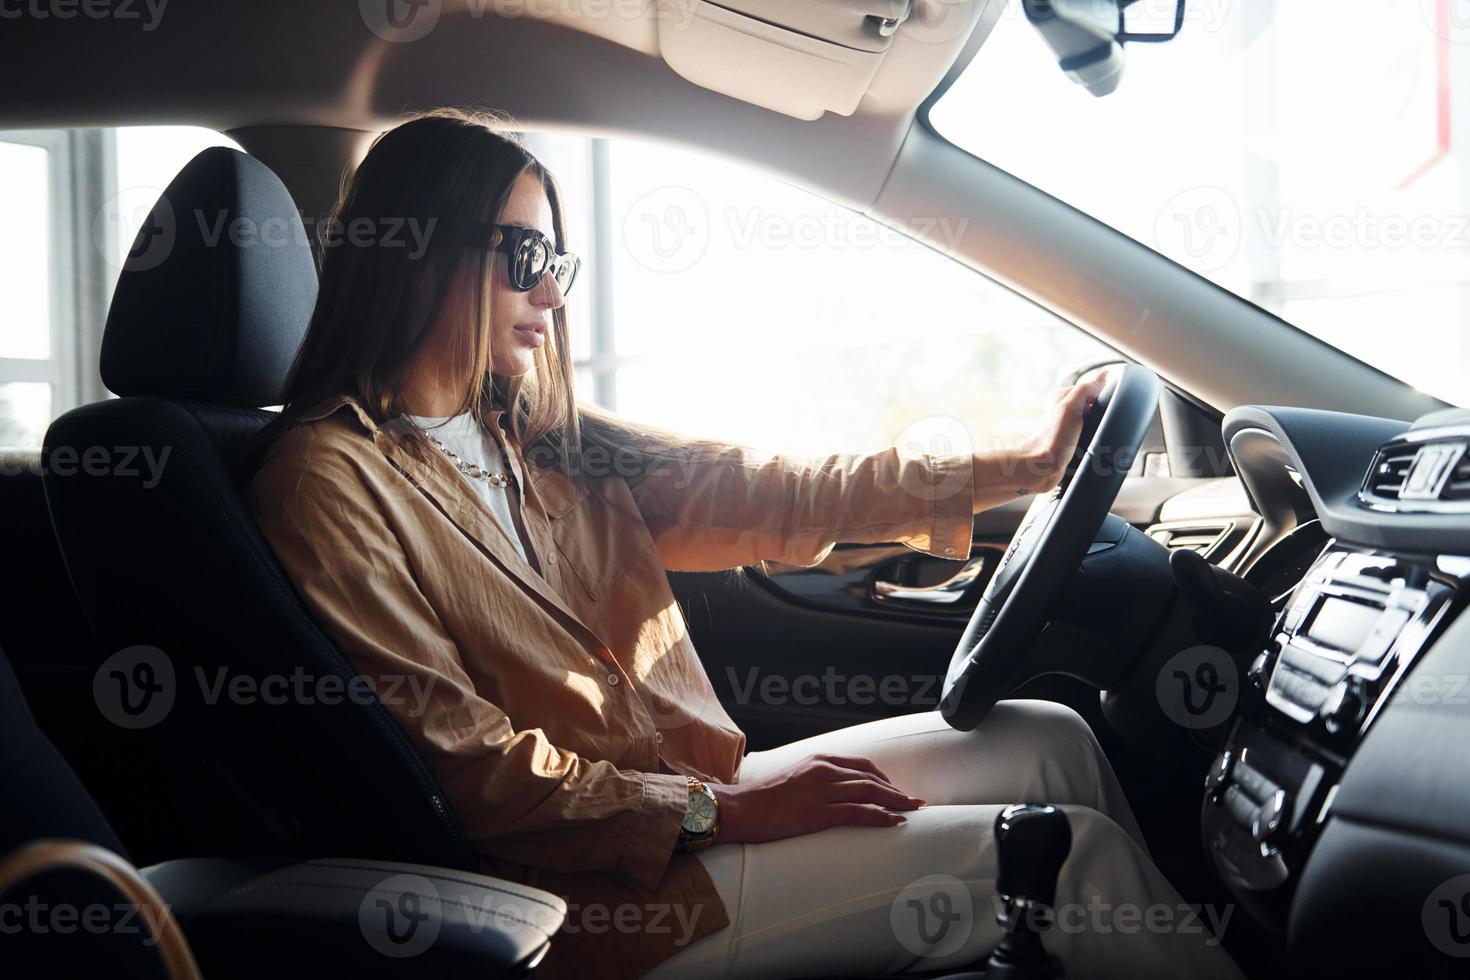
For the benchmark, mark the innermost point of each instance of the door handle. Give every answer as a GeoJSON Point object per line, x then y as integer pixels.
{"type": "Point", "coordinates": [945, 593]}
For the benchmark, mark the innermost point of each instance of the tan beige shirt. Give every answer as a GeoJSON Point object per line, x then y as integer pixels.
{"type": "Point", "coordinates": [558, 698]}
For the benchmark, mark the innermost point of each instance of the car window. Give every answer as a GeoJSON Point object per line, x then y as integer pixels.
{"type": "Point", "coordinates": [1301, 155]}
{"type": "Point", "coordinates": [726, 302]}
{"type": "Point", "coordinates": [73, 199]}
{"type": "Point", "coordinates": [715, 299]}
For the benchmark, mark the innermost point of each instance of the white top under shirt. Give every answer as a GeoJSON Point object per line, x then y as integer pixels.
{"type": "Point", "coordinates": [472, 444]}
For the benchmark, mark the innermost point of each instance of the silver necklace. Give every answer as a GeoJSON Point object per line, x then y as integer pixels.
{"type": "Point", "coordinates": [474, 471]}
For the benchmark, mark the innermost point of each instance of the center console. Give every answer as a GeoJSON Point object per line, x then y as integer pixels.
{"type": "Point", "coordinates": [1339, 650]}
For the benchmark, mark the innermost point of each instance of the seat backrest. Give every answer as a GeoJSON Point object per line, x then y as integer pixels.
{"type": "Point", "coordinates": [213, 662]}
{"type": "Point", "coordinates": [43, 797]}
{"type": "Point", "coordinates": [59, 856]}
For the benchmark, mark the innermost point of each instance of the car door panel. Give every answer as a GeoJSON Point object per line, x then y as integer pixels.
{"type": "Point", "coordinates": [796, 651]}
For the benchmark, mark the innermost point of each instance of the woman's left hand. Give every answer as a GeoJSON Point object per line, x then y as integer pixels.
{"type": "Point", "coordinates": [1046, 452]}
{"type": "Point", "coordinates": [1037, 464]}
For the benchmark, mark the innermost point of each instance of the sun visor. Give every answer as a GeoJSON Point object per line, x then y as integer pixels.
{"type": "Point", "coordinates": [797, 58]}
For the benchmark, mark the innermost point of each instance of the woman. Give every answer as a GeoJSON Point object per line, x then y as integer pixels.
{"type": "Point", "coordinates": [492, 556]}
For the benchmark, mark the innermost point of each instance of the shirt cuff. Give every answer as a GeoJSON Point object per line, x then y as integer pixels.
{"type": "Point", "coordinates": [951, 480]}
{"type": "Point", "coordinates": [655, 835]}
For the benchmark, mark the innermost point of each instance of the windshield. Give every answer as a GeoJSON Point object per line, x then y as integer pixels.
{"type": "Point", "coordinates": [1303, 155]}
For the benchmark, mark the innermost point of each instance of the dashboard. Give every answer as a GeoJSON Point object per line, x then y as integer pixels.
{"type": "Point", "coordinates": [1338, 808]}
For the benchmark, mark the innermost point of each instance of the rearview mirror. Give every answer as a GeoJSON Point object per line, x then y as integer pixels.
{"type": "Point", "coordinates": [1150, 21]}
{"type": "Point", "coordinates": [1087, 36]}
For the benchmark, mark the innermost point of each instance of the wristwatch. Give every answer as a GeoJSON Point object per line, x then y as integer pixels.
{"type": "Point", "coordinates": [701, 820]}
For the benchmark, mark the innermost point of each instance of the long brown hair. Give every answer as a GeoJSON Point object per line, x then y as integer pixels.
{"type": "Point", "coordinates": [444, 170]}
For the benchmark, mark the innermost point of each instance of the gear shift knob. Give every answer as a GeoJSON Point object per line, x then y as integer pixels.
{"type": "Point", "coordinates": [1032, 841]}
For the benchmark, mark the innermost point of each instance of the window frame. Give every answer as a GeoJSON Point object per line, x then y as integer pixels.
{"type": "Point", "coordinates": [80, 181]}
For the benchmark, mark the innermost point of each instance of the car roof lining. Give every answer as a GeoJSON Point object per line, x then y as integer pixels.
{"type": "Point", "coordinates": [233, 66]}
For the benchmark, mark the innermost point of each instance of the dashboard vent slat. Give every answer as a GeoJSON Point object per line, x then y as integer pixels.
{"type": "Point", "coordinates": [1457, 487]}
{"type": "Point", "coordinates": [1419, 475]}
{"type": "Point", "coordinates": [1390, 471]}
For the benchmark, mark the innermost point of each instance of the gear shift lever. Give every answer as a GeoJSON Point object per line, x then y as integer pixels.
{"type": "Point", "coordinates": [1031, 842]}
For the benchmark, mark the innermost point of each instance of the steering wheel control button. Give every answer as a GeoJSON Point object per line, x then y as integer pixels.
{"type": "Point", "coordinates": [1256, 785]}
{"type": "Point", "coordinates": [1219, 776]}
{"type": "Point", "coordinates": [1297, 611]}
{"type": "Point", "coordinates": [1385, 630]}
{"type": "Point", "coordinates": [1268, 819]}
{"type": "Point", "coordinates": [1242, 808]}
{"type": "Point", "coordinates": [1259, 674]}
{"type": "Point", "coordinates": [1343, 708]}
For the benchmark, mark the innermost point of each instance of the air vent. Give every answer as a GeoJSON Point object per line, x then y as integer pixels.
{"type": "Point", "coordinates": [1390, 471]}
{"type": "Point", "coordinates": [1457, 487]}
{"type": "Point", "coordinates": [1419, 475]}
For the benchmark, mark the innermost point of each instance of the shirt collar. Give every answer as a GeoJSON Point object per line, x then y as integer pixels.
{"type": "Point", "coordinates": [337, 402]}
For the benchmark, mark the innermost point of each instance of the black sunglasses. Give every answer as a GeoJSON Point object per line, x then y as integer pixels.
{"type": "Point", "coordinates": [531, 254]}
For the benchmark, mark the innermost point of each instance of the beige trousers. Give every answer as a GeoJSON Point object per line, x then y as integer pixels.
{"type": "Point", "coordinates": [920, 896]}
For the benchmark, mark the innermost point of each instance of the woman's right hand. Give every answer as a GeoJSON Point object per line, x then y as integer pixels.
{"type": "Point", "coordinates": [818, 792]}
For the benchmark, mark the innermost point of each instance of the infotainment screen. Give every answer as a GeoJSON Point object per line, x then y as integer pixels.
{"type": "Point", "coordinates": [1342, 624]}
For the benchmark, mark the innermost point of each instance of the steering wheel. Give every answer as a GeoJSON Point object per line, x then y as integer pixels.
{"type": "Point", "coordinates": [1047, 548]}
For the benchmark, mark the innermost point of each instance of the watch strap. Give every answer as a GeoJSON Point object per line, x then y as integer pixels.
{"type": "Point", "coordinates": [691, 841]}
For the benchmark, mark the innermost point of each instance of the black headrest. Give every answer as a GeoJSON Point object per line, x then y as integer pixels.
{"type": "Point", "coordinates": [215, 296]}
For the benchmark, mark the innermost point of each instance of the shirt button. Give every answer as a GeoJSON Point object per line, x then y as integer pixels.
{"type": "Point", "coordinates": [551, 557]}
{"type": "Point", "coordinates": [949, 551]}
{"type": "Point", "coordinates": [658, 737]}
{"type": "Point", "coordinates": [612, 679]}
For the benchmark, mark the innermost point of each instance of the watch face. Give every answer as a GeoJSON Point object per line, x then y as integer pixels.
{"type": "Point", "coordinates": [701, 814]}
